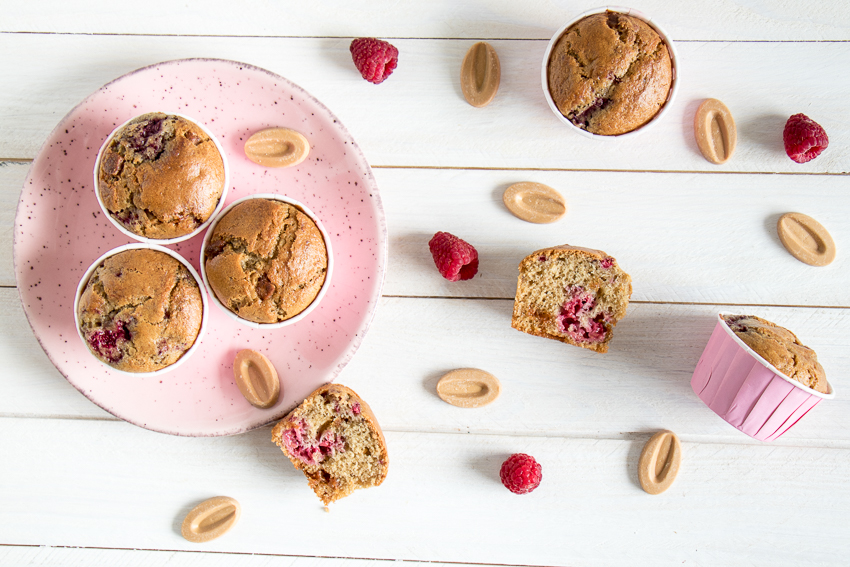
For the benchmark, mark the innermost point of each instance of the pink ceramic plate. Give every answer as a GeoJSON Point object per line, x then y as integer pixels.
{"type": "Point", "coordinates": [60, 230]}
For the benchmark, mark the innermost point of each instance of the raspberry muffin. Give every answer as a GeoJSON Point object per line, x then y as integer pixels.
{"type": "Point", "coordinates": [781, 348]}
{"type": "Point", "coordinates": [335, 440]}
{"type": "Point", "coordinates": [609, 73]}
{"type": "Point", "coordinates": [571, 294]}
{"type": "Point", "coordinates": [266, 260]}
{"type": "Point", "coordinates": [160, 176]}
{"type": "Point", "coordinates": [140, 310]}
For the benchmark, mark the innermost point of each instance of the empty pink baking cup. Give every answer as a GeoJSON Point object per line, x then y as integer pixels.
{"type": "Point", "coordinates": [746, 390]}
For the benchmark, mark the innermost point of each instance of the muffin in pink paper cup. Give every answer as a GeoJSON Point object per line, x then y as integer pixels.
{"type": "Point", "coordinates": [758, 377]}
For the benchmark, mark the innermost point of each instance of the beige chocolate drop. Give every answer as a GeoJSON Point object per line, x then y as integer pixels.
{"type": "Point", "coordinates": [211, 519]}
{"type": "Point", "coordinates": [659, 462]}
{"type": "Point", "coordinates": [277, 147]}
{"type": "Point", "coordinates": [806, 239]}
{"type": "Point", "coordinates": [468, 388]}
{"type": "Point", "coordinates": [256, 378]}
{"type": "Point", "coordinates": [534, 202]}
{"type": "Point", "coordinates": [714, 129]}
{"type": "Point", "coordinates": [480, 74]}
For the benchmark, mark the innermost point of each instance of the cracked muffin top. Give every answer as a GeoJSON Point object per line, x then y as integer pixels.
{"type": "Point", "coordinates": [781, 348]}
{"type": "Point", "coordinates": [609, 73]}
{"type": "Point", "coordinates": [160, 176]}
{"type": "Point", "coordinates": [140, 311]}
{"type": "Point", "coordinates": [266, 260]}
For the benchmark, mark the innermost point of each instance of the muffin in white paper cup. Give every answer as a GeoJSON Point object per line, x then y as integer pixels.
{"type": "Point", "coordinates": [571, 121]}
{"type": "Point", "coordinates": [141, 309]}
{"type": "Point", "coordinates": [746, 390]}
{"type": "Point", "coordinates": [267, 261]}
{"type": "Point", "coordinates": [161, 178]}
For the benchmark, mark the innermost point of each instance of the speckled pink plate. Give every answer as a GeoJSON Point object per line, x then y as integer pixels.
{"type": "Point", "coordinates": [60, 230]}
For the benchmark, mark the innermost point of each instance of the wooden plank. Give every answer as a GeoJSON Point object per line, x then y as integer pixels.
{"type": "Point", "coordinates": [12, 175]}
{"type": "Point", "coordinates": [682, 237]}
{"type": "Point", "coordinates": [549, 388]}
{"type": "Point", "coordinates": [418, 116]}
{"type": "Point", "coordinates": [708, 20]}
{"type": "Point", "coordinates": [45, 556]}
{"type": "Point", "coordinates": [106, 484]}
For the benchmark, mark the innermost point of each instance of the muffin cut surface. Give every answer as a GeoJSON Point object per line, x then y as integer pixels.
{"type": "Point", "coordinates": [335, 440]}
{"type": "Point", "coordinates": [571, 294]}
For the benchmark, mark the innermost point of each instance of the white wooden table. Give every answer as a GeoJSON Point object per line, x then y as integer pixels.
{"type": "Point", "coordinates": [78, 486]}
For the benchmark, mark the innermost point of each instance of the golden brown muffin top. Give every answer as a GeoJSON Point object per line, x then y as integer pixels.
{"type": "Point", "coordinates": [161, 176]}
{"type": "Point", "coordinates": [781, 348]}
{"type": "Point", "coordinates": [266, 260]}
{"type": "Point", "coordinates": [609, 73]}
{"type": "Point", "coordinates": [140, 311]}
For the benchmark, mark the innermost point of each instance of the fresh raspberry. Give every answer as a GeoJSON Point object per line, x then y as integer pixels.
{"type": "Point", "coordinates": [374, 58]}
{"type": "Point", "coordinates": [521, 473]}
{"type": "Point", "coordinates": [804, 138]}
{"type": "Point", "coordinates": [455, 258]}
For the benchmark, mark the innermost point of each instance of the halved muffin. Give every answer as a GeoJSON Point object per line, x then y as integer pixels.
{"type": "Point", "coordinates": [335, 440]}
{"type": "Point", "coordinates": [571, 294]}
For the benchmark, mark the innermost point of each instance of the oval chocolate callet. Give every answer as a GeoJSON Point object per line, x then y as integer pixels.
{"type": "Point", "coordinates": [256, 378]}
{"type": "Point", "coordinates": [468, 388]}
{"type": "Point", "coordinates": [277, 147]}
{"type": "Point", "coordinates": [480, 74]}
{"type": "Point", "coordinates": [806, 239]}
{"type": "Point", "coordinates": [534, 202]}
{"type": "Point", "coordinates": [211, 519]}
{"type": "Point", "coordinates": [715, 131]}
{"type": "Point", "coordinates": [659, 462]}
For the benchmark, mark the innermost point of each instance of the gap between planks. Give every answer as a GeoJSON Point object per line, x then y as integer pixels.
{"type": "Point", "coordinates": [19, 32]}
{"type": "Point", "coordinates": [21, 161]}
{"type": "Point", "coordinates": [723, 304]}
{"type": "Point", "coordinates": [643, 302]}
{"type": "Point", "coordinates": [836, 444]}
{"type": "Point", "coordinates": [237, 553]}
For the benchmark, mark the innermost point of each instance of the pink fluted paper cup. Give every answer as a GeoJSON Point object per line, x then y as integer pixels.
{"type": "Point", "coordinates": [746, 390]}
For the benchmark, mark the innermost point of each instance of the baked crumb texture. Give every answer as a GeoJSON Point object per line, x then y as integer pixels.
{"type": "Point", "coordinates": [781, 348]}
{"type": "Point", "coordinates": [161, 176]}
{"type": "Point", "coordinates": [266, 261]}
{"type": "Point", "coordinates": [140, 311]}
{"type": "Point", "coordinates": [609, 73]}
{"type": "Point", "coordinates": [571, 294]}
{"type": "Point", "coordinates": [335, 440]}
